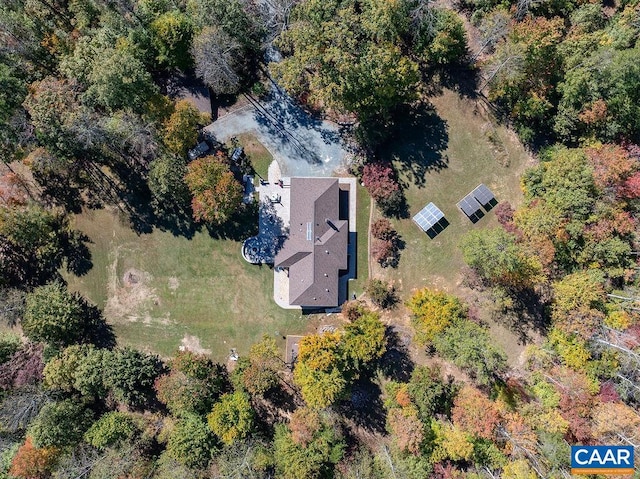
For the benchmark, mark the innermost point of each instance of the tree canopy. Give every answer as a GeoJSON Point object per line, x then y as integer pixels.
{"type": "Point", "coordinates": [217, 194]}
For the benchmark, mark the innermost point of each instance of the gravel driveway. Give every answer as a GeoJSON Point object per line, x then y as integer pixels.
{"type": "Point", "coordinates": [302, 144]}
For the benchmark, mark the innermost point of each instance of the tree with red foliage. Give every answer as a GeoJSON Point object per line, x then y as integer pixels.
{"type": "Point", "coordinates": [12, 190]}
{"type": "Point", "coordinates": [385, 252]}
{"type": "Point", "coordinates": [24, 368]}
{"type": "Point", "coordinates": [504, 213]}
{"type": "Point", "coordinates": [447, 471]}
{"type": "Point", "coordinates": [382, 229]}
{"type": "Point", "coordinates": [385, 247]}
{"type": "Point", "coordinates": [608, 393]}
{"type": "Point", "coordinates": [630, 189]}
{"type": "Point", "coordinates": [576, 401]}
{"type": "Point", "coordinates": [33, 463]}
{"type": "Point", "coordinates": [475, 413]}
{"type": "Point", "coordinates": [380, 181]}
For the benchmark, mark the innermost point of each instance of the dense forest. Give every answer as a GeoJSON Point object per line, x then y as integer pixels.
{"type": "Point", "coordinates": [86, 106]}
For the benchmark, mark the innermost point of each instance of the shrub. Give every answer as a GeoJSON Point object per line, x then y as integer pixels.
{"type": "Point", "coordinates": [382, 184]}
{"type": "Point", "coordinates": [381, 229]}
{"type": "Point", "coordinates": [380, 293]}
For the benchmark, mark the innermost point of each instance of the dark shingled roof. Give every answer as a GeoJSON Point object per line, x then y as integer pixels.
{"type": "Point", "coordinates": [316, 249]}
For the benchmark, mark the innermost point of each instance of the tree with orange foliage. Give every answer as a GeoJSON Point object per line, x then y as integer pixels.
{"type": "Point", "coordinates": [33, 463]}
{"type": "Point", "coordinates": [12, 190]}
{"type": "Point", "coordinates": [612, 165]}
{"type": "Point", "coordinates": [519, 439]}
{"type": "Point", "coordinates": [304, 425]}
{"type": "Point", "coordinates": [475, 413]}
{"type": "Point", "coordinates": [616, 422]}
{"type": "Point", "coordinates": [217, 194]}
{"type": "Point", "coordinates": [406, 428]}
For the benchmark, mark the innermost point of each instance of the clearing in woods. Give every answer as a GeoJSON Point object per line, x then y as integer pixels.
{"type": "Point", "coordinates": [441, 155]}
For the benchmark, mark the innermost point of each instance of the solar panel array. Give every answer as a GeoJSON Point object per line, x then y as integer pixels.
{"type": "Point", "coordinates": [483, 195]}
{"type": "Point", "coordinates": [469, 205]}
{"type": "Point", "coordinates": [428, 217]}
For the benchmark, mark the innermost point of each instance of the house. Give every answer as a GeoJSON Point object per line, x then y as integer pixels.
{"type": "Point", "coordinates": [315, 254]}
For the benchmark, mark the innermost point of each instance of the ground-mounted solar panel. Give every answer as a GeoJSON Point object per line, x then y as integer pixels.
{"type": "Point", "coordinates": [484, 196]}
{"type": "Point", "coordinates": [428, 217]}
{"type": "Point", "coordinates": [470, 206]}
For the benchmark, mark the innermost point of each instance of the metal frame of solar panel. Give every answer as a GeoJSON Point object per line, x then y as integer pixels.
{"type": "Point", "coordinates": [470, 206]}
{"type": "Point", "coordinates": [428, 217]}
{"type": "Point", "coordinates": [484, 196]}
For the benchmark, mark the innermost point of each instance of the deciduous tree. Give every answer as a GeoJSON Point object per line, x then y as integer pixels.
{"type": "Point", "coordinates": [406, 428]}
{"type": "Point", "coordinates": [191, 442]}
{"type": "Point", "coordinates": [192, 385]}
{"type": "Point", "coordinates": [31, 462]}
{"type": "Point", "coordinates": [219, 60]}
{"type": "Point", "coordinates": [381, 182]}
{"type": "Point", "coordinates": [24, 368]}
{"type": "Point", "coordinates": [265, 360]}
{"type": "Point", "coordinates": [110, 430]}
{"type": "Point", "coordinates": [171, 37]}
{"type": "Point", "coordinates": [231, 418]}
{"type": "Point", "coordinates": [497, 257]}
{"type": "Point", "coordinates": [120, 80]}
{"type": "Point", "coordinates": [217, 194]}
{"type": "Point", "coordinates": [470, 347]}
{"type": "Point", "coordinates": [475, 413]}
{"type": "Point", "coordinates": [54, 315]}
{"type": "Point", "coordinates": [181, 128]}
{"type": "Point", "coordinates": [364, 341]}
{"type": "Point", "coordinates": [60, 424]}
{"type": "Point", "coordinates": [429, 392]}
{"type": "Point", "coordinates": [432, 312]}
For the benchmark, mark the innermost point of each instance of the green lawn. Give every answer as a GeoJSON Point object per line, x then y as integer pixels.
{"type": "Point", "coordinates": [198, 287]}
{"type": "Point", "coordinates": [362, 249]}
{"type": "Point", "coordinates": [257, 153]}
{"type": "Point", "coordinates": [440, 158]}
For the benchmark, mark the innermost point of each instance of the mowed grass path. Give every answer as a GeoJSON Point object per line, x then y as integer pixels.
{"type": "Point", "coordinates": [440, 158]}
{"type": "Point", "coordinates": [179, 287]}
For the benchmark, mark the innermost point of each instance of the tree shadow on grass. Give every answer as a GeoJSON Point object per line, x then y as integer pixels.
{"type": "Point", "coordinates": [242, 225]}
{"type": "Point", "coordinates": [396, 363]}
{"type": "Point", "coordinates": [97, 331]}
{"type": "Point", "coordinates": [528, 311]}
{"type": "Point", "coordinates": [364, 406]}
{"type": "Point", "coordinates": [77, 252]}
{"type": "Point", "coordinates": [460, 78]}
{"type": "Point", "coordinates": [417, 144]}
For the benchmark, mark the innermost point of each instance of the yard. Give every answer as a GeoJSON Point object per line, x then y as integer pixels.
{"type": "Point", "coordinates": [440, 157]}
{"type": "Point", "coordinates": [160, 291]}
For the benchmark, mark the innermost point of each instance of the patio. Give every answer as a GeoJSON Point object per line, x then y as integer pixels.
{"type": "Point", "coordinates": [273, 218]}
